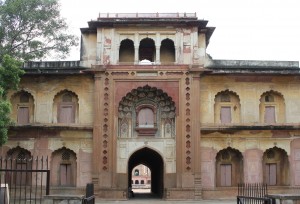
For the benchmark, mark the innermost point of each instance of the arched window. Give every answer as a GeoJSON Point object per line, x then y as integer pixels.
{"type": "Point", "coordinates": [227, 107]}
{"type": "Point", "coordinates": [66, 105]}
{"type": "Point", "coordinates": [146, 120]}
{"type": "Point", "coordinates": [167, 51]}
{"type": "Point", "coordinates": [22, 160]}
{"type": "Point", "coordinates": [229, 164]}
{"type": "Point", "coordinates": [23, 107]}
{"type": "Point", "coordinates": [276, 167]}
{"type": "Point", "coordinates": [136, 172]}
{"type": "Point", "coordinates": [63, 167]}
{"type": "Point", "coordinates": [272, 108]}
{"type": "Point", "coordinates": [147, 50]}
{"type": "Point", "coordinates": [126, 52]}
{"type": "Point", "coordinates": [146, 117]}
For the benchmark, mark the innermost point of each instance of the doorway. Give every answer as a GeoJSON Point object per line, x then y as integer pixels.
{"type": "Point", "coordinates": [154, 162]}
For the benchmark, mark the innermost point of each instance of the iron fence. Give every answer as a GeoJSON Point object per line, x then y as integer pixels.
{"type": "Point", "coordinates": [24, 180]}
{"type": "Point", "coordinates": [255, 193]}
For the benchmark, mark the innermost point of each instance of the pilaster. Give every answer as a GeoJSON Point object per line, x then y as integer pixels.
{"type": "Point", "coordinates": [97, 127]}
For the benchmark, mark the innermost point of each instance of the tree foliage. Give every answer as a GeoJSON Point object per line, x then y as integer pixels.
{"type": "Point", "coordinates": [10, 74]}
{"type": "Point", "coordinates": [33, 29]}
{"type": "Point", "coordinates": [29, 30]}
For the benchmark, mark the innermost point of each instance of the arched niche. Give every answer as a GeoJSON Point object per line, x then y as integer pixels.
{"type": "Point", "coordinates": [276, 167]}
{"type": "Point", "coordinates": [229, 167]}
{"type": "Point", "coordinates": [65, 107]}
{"type": "Point", "coordinates": [22, 107]}
{"type": "Point", "coordinates": [63, 168]}
{"type": "Point", "coordinates": [148, 100]}
{"type": "Point", "coordinates": [227, 107]}
{"type": "Point", "coordinates": [272, 107]}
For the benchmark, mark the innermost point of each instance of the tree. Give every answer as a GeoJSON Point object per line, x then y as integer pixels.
{"type": "Point", "coordinates": [33, 29]}
{"type": "Point", "coordinates": [29, 30]}
{"type": "Point", "coordinates": [10, 75]}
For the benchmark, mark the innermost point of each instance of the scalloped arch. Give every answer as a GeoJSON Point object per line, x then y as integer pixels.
{"type": "Point", "coordinates": [131, 97]}
{"type": "Point", "coordinates": [229, 149]}
{"type": "Point", "coordinates": [22, 91]}
{"type": "Point", "coordinates": [65, 90]}
{"type": "Point", "coordinates": [272, 92]}
{"type": "Point", "coordinates": [63, 149]}
{"type": "Point", "coordinates": [17, 148]}
{"type": "Point", "coordinates": [227, 91]}
{"type": "Point", "coordinates": [276, 149]}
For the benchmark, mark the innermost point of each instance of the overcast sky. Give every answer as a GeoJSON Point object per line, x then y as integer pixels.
{"type": "Point", "coordinates": [245, 29]}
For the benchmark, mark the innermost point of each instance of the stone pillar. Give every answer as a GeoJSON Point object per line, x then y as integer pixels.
{"type": "Point", "coordinates": [176, 55]}
{"type": "Point", "coordinates": [157, 46]}
{"type": "Point", "coordinates": [136, 55]}
{"type": "Point", "coordinates": [157, 52]}
{"type": "Point", "coordinates": [136, 48]}
{"type": "Point", "coordinates": [117, 55]}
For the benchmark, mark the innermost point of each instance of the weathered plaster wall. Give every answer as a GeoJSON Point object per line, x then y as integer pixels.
{"type": "Point", "coordinates": [44, 89]}
{"type": "Point", "coordinates": [249, 89]}
{"type": "Point", "coordinates": [103, 47]}
{"type": "Point", "coordinates": [89, 46]}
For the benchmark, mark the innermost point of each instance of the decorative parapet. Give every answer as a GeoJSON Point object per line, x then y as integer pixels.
{"type": "Point", "coordinates": [252, 66]}
{"type": "Point", "coordinates": [53, 67]}
{"type": "Point", "coordinates": [147, 15]}
{"type": "Point", "coordinates": [51, 64]}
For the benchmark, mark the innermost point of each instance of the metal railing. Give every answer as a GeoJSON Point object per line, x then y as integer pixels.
{"type": "Point", "coordinates": [255, 193]}
{"type": "Point", "coordinates": [147, 15]}
{"type": "Point", "coordinates": [51, 64]}
{"type": "Point", "coordinates": [24, 179]}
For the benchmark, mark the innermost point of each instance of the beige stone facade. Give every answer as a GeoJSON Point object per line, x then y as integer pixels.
{"type": "Point", "coordinates": [146, 92]}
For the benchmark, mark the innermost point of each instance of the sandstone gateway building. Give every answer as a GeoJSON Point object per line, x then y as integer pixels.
{"type": "Point", "coordinates": [146, 92]}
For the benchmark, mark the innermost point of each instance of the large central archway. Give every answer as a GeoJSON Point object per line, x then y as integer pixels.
{"type": "Point", "coordinates": [154, 161]}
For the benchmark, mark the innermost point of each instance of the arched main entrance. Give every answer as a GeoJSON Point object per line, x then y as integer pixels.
{"type": "Point", "coordinates": [154, 161]}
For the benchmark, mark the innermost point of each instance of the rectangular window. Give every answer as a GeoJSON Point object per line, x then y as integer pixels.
{"type": "Point", "coordinates": [225, 174]}
{"type": "Point", "coordinates": [146, 118]}
{"type": "Point", "coordinates": [66, 114]}
{"type": "Point", "coordinates": [23, 115]}
{"type": "Point", "coordinates": [225, 115]}
{"type": "Point", "coordinates": [270, 114]}
{"type": "Point", "coordinates": [65, 175]}
{"type": "Point", "coordinates": [271, 171]}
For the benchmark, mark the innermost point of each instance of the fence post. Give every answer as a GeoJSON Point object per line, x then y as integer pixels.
{"type": "Point", "coordinates": [89, 192]}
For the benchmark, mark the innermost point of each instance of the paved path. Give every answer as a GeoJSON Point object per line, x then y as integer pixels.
{"type": "Point", "coordinates": [159, 201]}
{"type": "Point", "coordinates": [142, 198]}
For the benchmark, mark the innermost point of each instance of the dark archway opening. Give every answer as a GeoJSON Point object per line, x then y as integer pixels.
{"type": "Point", "coordinates": [147, 50]}
{"type": "Point", "coordinates": [154, 161]}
